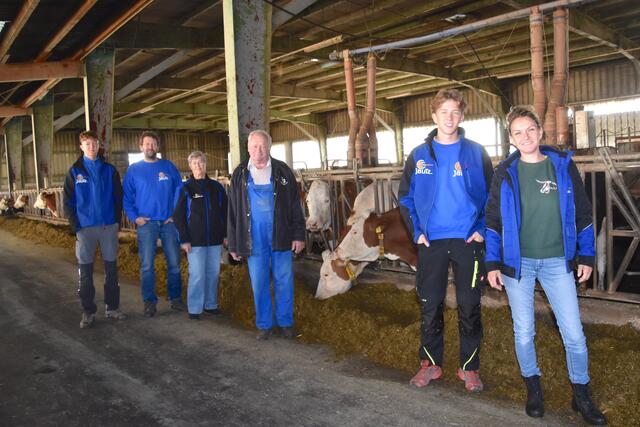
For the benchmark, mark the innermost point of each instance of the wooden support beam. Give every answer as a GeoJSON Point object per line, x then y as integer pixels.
{"type": "Point", "coordinates": [158, 123]}
{"type": "Point", "coordinates": [142, 35]}
{"type": "Point", "coordinates": [87, 49]}
{"type": "Point", "coordinates": [175, 108]}
{"type": "Point", "coordinates": [26, 72]}
{"type": "Point", "coordinates": [15, 27]}
{"type": "Point", "coordinates": [64, 30]}
{"type": "Point", "coordinates": [13, 111]}
{"type": "Point", "coordinates": [200, 9]}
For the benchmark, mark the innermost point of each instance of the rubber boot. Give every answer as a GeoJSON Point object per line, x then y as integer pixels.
{"type": "Point", "coordinates": [535, 399]}
{"type": "Point", "coordinates": [111, 287]}
{"type": "Point", "coordinates": [86, 291]}
{"type": "Point", "coordinates": [583, 403]}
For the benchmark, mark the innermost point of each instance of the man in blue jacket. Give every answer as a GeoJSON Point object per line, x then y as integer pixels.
{"type": "Point", "coordinates": [93, 205]}
{"type": "Point", "coordinates": [442, 195]}
{"type": "Point", "coordinates": [151, 188]}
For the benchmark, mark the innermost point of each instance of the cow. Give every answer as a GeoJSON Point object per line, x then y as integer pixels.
{"type": "Point", "coordinates": [319, 206]}
{"type": "Point", "coordinates": [365, 241]}
{"type": "Point", "coordinates": [21, 202]}
{"type": "Point", "coordinates": [47, 200]}
{"type": "Point", "coordinates": [365, 202]}
{"type": "Point", "coordinates": [6, 206]}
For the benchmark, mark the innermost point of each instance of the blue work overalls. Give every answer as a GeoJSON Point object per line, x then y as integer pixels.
{"type": "Point", "coordinates": [263, 259]}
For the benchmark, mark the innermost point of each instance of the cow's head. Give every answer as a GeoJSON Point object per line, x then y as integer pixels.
{"type": "Point", "coordinates": [47, 200]}
{"type": "Point", "coordinates": [337, 275]}
{"type": "Point", "coordinates": [5, 204]}
{"type": "Point", "coordinates": [21, 202]}
{"type": "Point", "coordinates": [319, 206]}
{"type": "Point", "coordinates": [359, 243]}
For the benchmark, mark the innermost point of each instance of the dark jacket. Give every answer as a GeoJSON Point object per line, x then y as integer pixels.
{"type": "Point", "coordinates": [503, 215]}
{"type": "Point", "coordinates": [201, 212]}
{"type": "Point", "coordinates": [419, 182]}
{"type": "Point", "coordinates": [77, 198]}
{"type": "Point", "coordinates": [288, 221]}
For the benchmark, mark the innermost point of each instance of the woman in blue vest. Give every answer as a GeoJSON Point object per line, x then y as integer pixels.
{"type": "Point", "coordinates": [539, 226]}
{"type": "Point", "coordinates": [201, 220]}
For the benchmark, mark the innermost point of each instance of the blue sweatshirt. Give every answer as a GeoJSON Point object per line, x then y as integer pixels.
{"type": "Point", "coordinates": [151, 190]}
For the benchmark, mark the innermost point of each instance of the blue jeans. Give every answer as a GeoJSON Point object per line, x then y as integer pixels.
{"type": "Point", "coordinates": [281, 263]}
{"type": "Point", "coordinates": [560, 288]}
{"type": "Point", "coordinates": [204, 269]}
{"type": "Point", "coordinates": [148, 236]}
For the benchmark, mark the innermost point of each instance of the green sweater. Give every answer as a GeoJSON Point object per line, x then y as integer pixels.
{"type": "Point", "coordinates": [541, 228]}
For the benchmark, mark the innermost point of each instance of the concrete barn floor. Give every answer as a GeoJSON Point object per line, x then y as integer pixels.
{"type": "Point", "coordinates": [169, 370]}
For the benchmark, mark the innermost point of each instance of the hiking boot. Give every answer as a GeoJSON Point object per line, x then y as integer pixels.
{"type": "Point", "coordinates": [263, 334]}
{"type": "Point", "coordinates": [214, 311]}
{"type": "Point", "coordinates": [583, 403]}
{"type": "Point", "coordinates": [288, 332]}
{"type": "Point", "coordinates": [88, 320]}
{"type": "Point", "coordinates": [115, 314]}
{"type": "Point", "coordinates": [471, 380]}
{"type": "Point", "coordinates": [149, 308]}
{"type": "Point", "coordinates": [194, 316]}
{"type": "Point", "coordinates": [535, 402]}
{"type": "Point", "coordinates": [426, 374]}
{"type": "Point", "coordinates": [177, 304]}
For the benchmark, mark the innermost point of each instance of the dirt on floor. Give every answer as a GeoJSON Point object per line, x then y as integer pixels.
{"type": "Point", "coordinates": [382, 323]}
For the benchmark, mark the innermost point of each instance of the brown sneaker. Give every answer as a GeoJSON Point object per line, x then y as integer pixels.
{"type": "Point", "coordinates": [471, 380]}
{"type": "Point", "coordinates": [426, 374]}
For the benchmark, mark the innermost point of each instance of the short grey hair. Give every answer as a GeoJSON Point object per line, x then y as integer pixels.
{"type": "Point", "coordinates": [197, 155]}
{"type": "Point", "coordinates": [260, 132]}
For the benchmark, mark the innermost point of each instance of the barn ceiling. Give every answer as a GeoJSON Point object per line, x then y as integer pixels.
{"type": "Point", "coordinates": [167, 50]}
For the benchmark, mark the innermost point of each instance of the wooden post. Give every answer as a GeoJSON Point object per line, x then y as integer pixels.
{"type": "Point", "coordinates": [13, 131]}
{"type": "Point", "coordinates": [42, 120]}
{"type": "Point", "coordinates": [98, 95]}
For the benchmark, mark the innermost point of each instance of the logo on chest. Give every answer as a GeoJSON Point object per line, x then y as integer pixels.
{"type": "Point", "coordinates": [422, 169]}
{"type": "Point", "coordinates": [162, 177]}
{"type": "Point", "coordinates": [547, 186]}
{"type": "Point", "coordinates": [80, 179]}
{"type": "Point", "coordinates": [457, 170]}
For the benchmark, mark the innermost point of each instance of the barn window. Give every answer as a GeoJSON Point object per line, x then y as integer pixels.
{"type": "Point", "coordinates": [614, 107]}
{"type": "Point", "coordinates": [337, 150]}
{"type": "Point", "coordinates": [278, 151]}
{"type": "Point", "coordinates": [306, 155]}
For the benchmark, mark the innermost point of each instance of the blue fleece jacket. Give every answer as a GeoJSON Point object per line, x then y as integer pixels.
{"type": "Point", "coordinates": [504, 216]}
{"type": "Point", "coordinates": [419, 184]}
{"type": "Point", "coordinates": [151, 190]}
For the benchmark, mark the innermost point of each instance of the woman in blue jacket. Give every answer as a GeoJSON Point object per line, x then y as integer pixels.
{"type": "Point", "coordinates": [539, 227]}
{"type": "Point", "coordinates": [201, 220]}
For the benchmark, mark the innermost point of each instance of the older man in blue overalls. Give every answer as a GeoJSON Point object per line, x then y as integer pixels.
{"type": "Point", "coordinates": [266, 224]}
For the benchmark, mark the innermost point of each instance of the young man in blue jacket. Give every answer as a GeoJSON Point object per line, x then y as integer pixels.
{"type": "Point", "coordinates": [93, 204]}
{"type": "Point", "coordinates": [442, 195]}
{"type": "Point", "coordinates": [151, 189]}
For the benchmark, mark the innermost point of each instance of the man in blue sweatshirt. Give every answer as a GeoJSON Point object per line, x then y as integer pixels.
{"type": "Point", "coordinates": [442, 195]}
{"type": "Point", "coordinates": [151, 188]}
{"type": "Point", "coordinates": [93, 204]}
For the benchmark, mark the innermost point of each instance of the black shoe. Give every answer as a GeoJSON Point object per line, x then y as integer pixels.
{"type": "Point", "coordinates": [288, 332]}
{"type": "Point", "coordinates": [263, 334]}
{"type": "Point", "coordinates": [193, 316]}
{"type": "Point", "coordinates": [149, 309]}
{"type": "Point", "coordinates": [177, 304]}
{"type": "Point", "coordinates": [583, 403]}
{"type": "Point", "coordinates": [212, 310]}
{"type": "Point", "coordinates": [535, 401]}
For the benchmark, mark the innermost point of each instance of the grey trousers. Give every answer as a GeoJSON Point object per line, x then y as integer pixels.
{"type": "Point", "coordinates": [88, 239]}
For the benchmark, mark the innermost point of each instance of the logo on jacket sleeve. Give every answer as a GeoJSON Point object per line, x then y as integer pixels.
{"type": "Point", "coordinates": [422, 169]}
{"type": "Point", "coordinates": [80, 179]}
{"type": "Point", "coordinates": [162, 177]}
{"type": "Point", "coordinates": [197, 196]}
{"type": "Point", "coordinates": [283, 181]}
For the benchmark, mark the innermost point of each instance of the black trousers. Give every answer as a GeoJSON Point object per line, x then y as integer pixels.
{"type": "Point", "coordinates": [431, 286]}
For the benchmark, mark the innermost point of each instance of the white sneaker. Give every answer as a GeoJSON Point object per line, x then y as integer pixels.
{"type": "Point", "coordinates": [115, 314]}
{"type": "Point", "coordinates": [88, 320]}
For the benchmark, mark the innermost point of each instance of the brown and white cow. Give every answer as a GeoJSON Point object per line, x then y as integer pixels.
{"type": "Point", "coordinates": [47, 200]}
{"type": "Point", "coordinates": [6, 205]}
{"type": "Point", "coordinates": [21, 202]}
{"type": "Point", "coordinates": [365, 241]}
{"type": "Point", "coordinates": [365, 202]}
